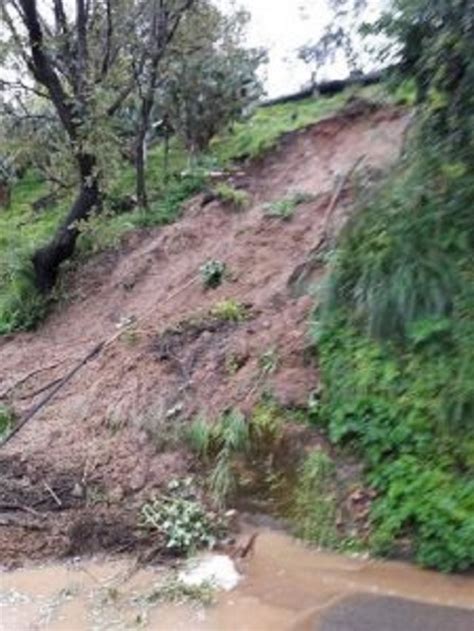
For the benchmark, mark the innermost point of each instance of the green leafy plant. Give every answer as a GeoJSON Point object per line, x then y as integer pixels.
{"type": "Point", "coordinates": [212, 273]}
{"type": "Point", "coordinates": [181, 519]}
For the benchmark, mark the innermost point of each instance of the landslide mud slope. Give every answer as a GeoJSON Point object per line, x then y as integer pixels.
{"type": "Point", "coordinates": [102, 431]}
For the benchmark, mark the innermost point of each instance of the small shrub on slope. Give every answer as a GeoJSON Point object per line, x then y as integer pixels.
{"type": "Point", "coordinates": [232, 197]}
{"type": "Point", "coordinates": [181, 519]}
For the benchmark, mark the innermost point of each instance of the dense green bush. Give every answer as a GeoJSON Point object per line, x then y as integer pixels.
{"type": "Point", "coordinates": [398, 410]}
{"type": "Point", "coordinates": [396, 339]}
{"type": "Point", "coordinates": [396, 329]}
{"type": "Point", "coordinates": [397, 354]}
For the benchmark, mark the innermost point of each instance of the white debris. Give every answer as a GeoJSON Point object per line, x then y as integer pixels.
{"type": "Point", "coordinates": [217, 569]}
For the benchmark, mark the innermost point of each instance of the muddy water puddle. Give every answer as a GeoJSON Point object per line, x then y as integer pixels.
{"type": "Point", "coordinates": [283, 586]}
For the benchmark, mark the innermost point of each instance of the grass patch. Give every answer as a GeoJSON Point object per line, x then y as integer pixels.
{"type": "Point", "coordinates": [230, 310]}
{"type": "Point", "coordinates": [261, 132]}
{"type": "Point", "coordinates": [285, 208]}
{"type": "Point", "coordinates": [233, 446]}
{"type": "Point", "coordinates": [232, 197]}
{"type": "Point", "coordinates": [315, 510]}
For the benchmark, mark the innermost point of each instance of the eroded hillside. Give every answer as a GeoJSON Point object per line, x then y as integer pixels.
{"type": "Point", "coordinates": [100, 447]}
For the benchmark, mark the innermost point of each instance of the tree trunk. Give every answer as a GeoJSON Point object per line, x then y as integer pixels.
{"type": "Point", "coordinates": [47, 260]}
{"type": "Point", "coordinates": [140, 167]}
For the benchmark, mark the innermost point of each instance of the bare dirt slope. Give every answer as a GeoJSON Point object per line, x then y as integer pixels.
{"type": "Point", "coordinates": [177, 361]}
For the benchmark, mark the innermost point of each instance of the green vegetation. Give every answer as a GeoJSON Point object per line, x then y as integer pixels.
{"type": "Point", "coordinates": [181, 519]}
{"type": "Point", "coordinates": [396, 331]}
{"type": "Point", "coordinates": [21, 231]}
{"type": "Point", "coordinates": [254, 137]}
{"type": "Point", "coordinates": [173, 590]}
{"type": "Point", "coordinates": [233, 443]}
{"type": "Point", "coordinates": [285, 208]}
{"type": "Point", "coordinates": [314, 514]}
{"type": "Point", "coordinates": [230, 310]}
{"type": "Point", "coordinates": [268, 362]}
{"type": "Point", "coordinates": [7, 419]}
{"type": "Point", "coordinates": [232, 197]}
{"type": "Point", "coordinates": [212, 273]}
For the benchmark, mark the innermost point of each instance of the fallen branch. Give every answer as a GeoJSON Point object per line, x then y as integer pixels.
{"type": "Point", "coordinates": [35, 393]}
{"type": "Point", "coordinates": [338, 192]}
{"type": "Point", "coordinates": [308, 266]}
{"type": "Point", "coordinates": [35, 409]}
{"type": "Point", "coordinates": [53, 494]}
{"type": "Point", "coordinates": [93, 353]}
{"type": "Point", "coordinates": [27, 377]}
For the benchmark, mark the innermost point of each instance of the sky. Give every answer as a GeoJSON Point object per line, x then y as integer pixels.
{"type": "Point", "coordinates": [283, 26]}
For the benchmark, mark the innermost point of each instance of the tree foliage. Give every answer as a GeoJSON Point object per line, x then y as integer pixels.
{"type": "Point", "coordinates": [211, 81]}
{"type": "Point", "coordinates": [82, 84]}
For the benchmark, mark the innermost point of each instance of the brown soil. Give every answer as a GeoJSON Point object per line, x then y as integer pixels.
{"type": "Point", "coordinates": [91, 445]}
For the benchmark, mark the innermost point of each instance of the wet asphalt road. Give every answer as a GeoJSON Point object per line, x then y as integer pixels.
{"type": "Point", "coordinates": [372, 613]}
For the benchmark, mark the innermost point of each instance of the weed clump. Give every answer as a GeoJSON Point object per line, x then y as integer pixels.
{"type": "Point", "coordinates": [233, 444]}
{"type": "Point", "coordinates": [285, 208]}
{"type": "Point", "coordinates": [315, 512]}
{"type": "Point", "coordinates": [232, 197]}
{"type": "Point", "coordinates": [230, 310]}
{"type": "Point", "coordinates": [175, 591]}
{"type": "Point", "coordinates": [181, 519]}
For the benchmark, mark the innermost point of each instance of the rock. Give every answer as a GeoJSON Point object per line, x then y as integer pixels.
{"type": "Point", "coordinates": [78, 491]}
